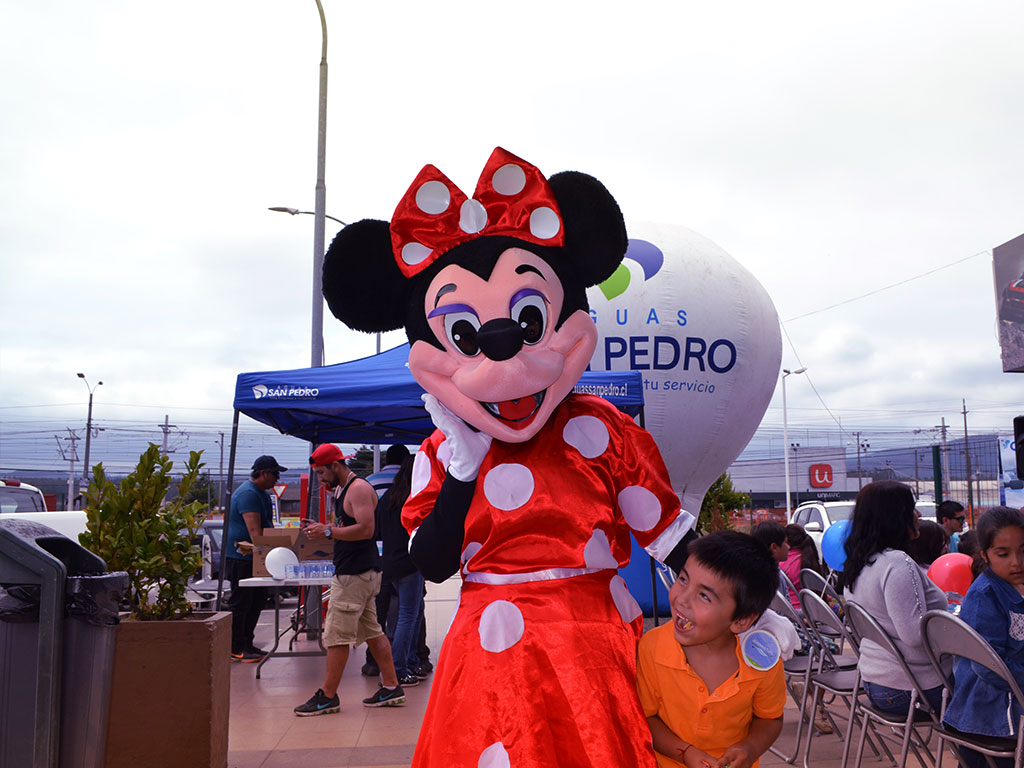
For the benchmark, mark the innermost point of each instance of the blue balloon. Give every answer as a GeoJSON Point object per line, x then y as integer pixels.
{"type": "Point", "coordinates": [832, 544]}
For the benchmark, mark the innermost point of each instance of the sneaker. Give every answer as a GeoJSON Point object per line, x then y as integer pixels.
{"type": "Point", "coordinates": [370, 670]}
{"type": "Point", "coordinates": [408, 681]}
{"type": "Point", "coordinates": [247, 657]}
{"type": "Point", "coordinates": [821, 723]}
{"type": "Point", "coordinates": [319, 704]}
{"type": "Point", "coordinates": [426, 667]}
{"type": "Point", "coordinates": [421, 671]}
{"type": "Point", "coordinates": [259, 651]}
{"type": "Point", "coordinates": [386, 697]}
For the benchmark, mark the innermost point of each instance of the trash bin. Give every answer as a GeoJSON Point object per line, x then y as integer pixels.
{"type": "Point", "coordinates": [58, 610]}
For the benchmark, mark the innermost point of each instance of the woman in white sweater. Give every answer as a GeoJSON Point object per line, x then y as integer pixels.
{"type": "Point", "coordinates": [884, 580]}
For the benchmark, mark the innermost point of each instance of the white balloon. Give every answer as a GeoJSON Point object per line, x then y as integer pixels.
{"type": "Point", "coordinates": [706, 337]}
{"type": "Point", "coordinates": [277, 559]}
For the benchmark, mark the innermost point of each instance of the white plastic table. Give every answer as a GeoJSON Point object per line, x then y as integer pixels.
{"type": "Point", "coordinates": [316, 585]}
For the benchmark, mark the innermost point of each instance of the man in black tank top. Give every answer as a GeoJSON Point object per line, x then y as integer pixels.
{"type": "Point", "coordinates": [351, 611]}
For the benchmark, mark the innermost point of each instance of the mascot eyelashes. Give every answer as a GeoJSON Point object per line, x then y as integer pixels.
{"type": "Point", "coordinates": [530, 490]}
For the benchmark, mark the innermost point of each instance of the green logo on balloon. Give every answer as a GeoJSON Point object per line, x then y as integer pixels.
{"type": "Point", "coordinates": [617, 284]}
{"type": "Point", "coordinates": [647, 255]}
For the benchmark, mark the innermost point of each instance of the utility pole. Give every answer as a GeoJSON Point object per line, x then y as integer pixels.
{"type": "Point", "coordinates": [71, 456]}
{"type": "Point", "coordinates": [88, 426]}
{"type": "Point", "coordinates": [220, 477]}
{"type": "Point", "coordinates": [967, 457]}
{"type": "Point", "coordinates": [917, 480]}
{"type": "Point", "coordinates": [166, 430]}
{"type": "Point", "coordinates": [864, 446]}
{"type": "Point", "coordinates": [945, 456]}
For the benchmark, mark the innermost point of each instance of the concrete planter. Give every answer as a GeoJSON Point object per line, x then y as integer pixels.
{"type": "Point", "coordinates": [170, 693]}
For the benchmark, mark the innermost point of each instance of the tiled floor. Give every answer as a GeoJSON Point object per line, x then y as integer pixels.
{"type": "Point", "coordinates": [265, 733]}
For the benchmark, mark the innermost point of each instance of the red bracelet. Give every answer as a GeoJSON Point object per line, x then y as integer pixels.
{"type": "Point", "coordinates": [682, 755]}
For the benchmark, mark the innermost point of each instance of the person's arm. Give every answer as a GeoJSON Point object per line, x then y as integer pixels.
{"type": "Point", "coordinates": [252, 524]}
{"type": "Point", "coordinates": [743, 753]}
{"type": "Point", "coordinates": [360, 504]}
{"type": "Point", "coordinates": [905, 600]}
{"type": "Point", "coordinates": [667, 743]}
{"type": "Point", "coordinates": [989, 619]}
{"type": "Point", "coordinates": [642, 482]}
{"type": "Point", "coordinates": [436, 549]}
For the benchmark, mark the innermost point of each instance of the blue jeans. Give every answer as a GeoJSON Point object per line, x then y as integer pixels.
{"type": "Point", "coordinates": [407, 628]}
{"type": "Point", "coordinates": [897, 701]}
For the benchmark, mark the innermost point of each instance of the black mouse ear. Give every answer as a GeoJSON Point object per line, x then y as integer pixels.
{"type": "Point", "coordinates": [362, 283]}
{"type": "Point", "coordinates": [595, 232]}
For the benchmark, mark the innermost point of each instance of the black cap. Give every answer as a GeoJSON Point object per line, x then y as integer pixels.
{"type": "Point", "coordinates": [267, 462]}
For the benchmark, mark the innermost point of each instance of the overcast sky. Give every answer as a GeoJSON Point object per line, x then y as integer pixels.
{"type": "Point", "coordinates": [832, 149]}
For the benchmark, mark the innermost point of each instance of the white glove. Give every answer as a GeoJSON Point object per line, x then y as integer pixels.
{"type": "Point", "coordinates": [469, 447]}
{"type": "Point", "coordinates": [782, 629]}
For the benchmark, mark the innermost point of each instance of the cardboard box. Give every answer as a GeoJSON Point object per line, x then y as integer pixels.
{"type": "Point", "coordinates": [294, 539]}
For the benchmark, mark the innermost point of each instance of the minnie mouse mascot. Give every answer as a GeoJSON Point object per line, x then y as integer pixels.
{"type": "Point", "coordinates": [531, 490]}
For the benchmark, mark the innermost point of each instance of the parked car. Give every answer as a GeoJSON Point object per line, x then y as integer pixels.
{"type": "Point", "coordinates": [16, 496]}
{"type": "Point", "coordinates": [211, 532]}
{"type": "Point", "coordinates": [21, 501]}
{"type": "Point", "coordinates": [817, 516]}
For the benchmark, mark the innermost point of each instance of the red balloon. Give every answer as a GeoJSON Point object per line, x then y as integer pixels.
{"type": "Point", "coordinates": [952, 573]}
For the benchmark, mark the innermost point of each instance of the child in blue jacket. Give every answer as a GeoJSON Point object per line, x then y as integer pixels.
{"type": "Point", "coordinates": [994, 607]}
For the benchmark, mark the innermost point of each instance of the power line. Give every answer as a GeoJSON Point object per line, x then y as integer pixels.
{"type": "Point", "coordinates": [887, 287]}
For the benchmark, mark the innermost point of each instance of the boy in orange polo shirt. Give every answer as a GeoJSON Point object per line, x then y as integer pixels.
{"type": "Point", "coordinates": [707, 708]}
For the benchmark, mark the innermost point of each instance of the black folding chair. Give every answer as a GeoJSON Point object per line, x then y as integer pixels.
{"type": "Point", "coordinates": [815, 582]}
{"type": "Point", "coordinates": [948, 635]}
{"type": "Point", "coordinates": [919, 714]}
{"type": "Point", "coordinates": [797, 671]}
{"type": "Point", "coordinates": [832, 673]}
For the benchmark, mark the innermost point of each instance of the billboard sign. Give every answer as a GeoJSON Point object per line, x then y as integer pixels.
{"type": "Point", "coordinates": [1008, 272]}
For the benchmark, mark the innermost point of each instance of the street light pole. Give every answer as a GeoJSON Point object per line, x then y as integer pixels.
{"type": "Point", "coordinates": [785, 430]}
{"type": "Point", "coordinates": [88, 425]}
{"type": "Point", "coordinates": [296, 212]}
{"type": "Point", "coordinates": [320, 205]}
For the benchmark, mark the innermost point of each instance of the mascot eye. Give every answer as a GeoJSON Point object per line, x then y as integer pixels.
{"type": "Point", "coordinates": [461, 328]}
{"type": "Point", "coordinates": [531, 314]}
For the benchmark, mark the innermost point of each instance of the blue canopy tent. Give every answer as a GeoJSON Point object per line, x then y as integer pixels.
{"type": "Point", "coordinates": [375, 400]}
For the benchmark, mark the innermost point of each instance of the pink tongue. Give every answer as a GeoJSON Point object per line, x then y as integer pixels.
{"type": "Point", "coordinates": [513, 410]}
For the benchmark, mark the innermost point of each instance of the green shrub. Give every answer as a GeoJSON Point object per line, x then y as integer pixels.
{"type": "Point", "coordinates": [135, 530]}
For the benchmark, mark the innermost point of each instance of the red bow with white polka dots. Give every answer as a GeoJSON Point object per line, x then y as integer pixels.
{"type": "Point", "coordinates": [512, 198]}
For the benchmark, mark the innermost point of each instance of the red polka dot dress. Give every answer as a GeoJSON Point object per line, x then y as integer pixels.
{"type": "Point", "coordinates": [539, 665]}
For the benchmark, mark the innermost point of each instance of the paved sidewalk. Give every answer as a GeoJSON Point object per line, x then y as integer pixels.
{"type": "Point", "coordinates": [265, 733]}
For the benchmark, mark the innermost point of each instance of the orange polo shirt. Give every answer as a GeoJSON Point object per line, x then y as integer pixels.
{"type": "Point", "coordinates": [711, 721]}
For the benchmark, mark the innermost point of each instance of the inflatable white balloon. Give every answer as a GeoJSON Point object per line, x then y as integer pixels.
{"type": "Point", "coordinates": [277, 559]}
{"type": "Point", "coordinates": [706, 337]}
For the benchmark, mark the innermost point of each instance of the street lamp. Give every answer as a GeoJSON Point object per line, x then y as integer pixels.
{"type": "Point", "coordinates": [785, 428]}
{"type": "Point", "coordinates": [320, 204]}
{"type": "Point", "coordinates": [296, 211]}
{"type": "Point", "coordinates": [88, 424]}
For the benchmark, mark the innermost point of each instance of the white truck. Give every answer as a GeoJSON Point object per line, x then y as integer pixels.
{"type": "Point", "coordinates": [21, 501]}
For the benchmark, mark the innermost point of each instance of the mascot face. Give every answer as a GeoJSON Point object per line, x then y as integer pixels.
{"type": "Point", "coordinates": [504, 367]}
{"type": "Point", "coordinates": [491, 290]}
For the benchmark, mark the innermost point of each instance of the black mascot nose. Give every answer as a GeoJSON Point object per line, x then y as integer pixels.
{"type": "Point", "coordinates": [500, 339]}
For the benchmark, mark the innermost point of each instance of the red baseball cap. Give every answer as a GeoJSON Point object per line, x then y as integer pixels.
{"type": "Point", "coordinates": [326, 454]}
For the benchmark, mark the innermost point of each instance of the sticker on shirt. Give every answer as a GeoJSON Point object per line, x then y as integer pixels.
{"type": "Point", "coordinates": [1017, 625]}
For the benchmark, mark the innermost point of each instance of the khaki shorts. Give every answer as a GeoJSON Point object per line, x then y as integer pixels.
{"type": "Point", "coordinates": [352, 609]}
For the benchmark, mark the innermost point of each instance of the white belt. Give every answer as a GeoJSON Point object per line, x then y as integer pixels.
{"type": "Point", "coordinates": [548, 574]}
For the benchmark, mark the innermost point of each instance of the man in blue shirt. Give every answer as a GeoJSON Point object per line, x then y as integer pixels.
{"type": "Point", "coordinates": [381, 481]}
{"type": "Point", "coordinates": [950, 515]}
{"type": "Point", "coordinates": [393, 458]}
{"type": "Point", "coordinates": [251, 512]}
